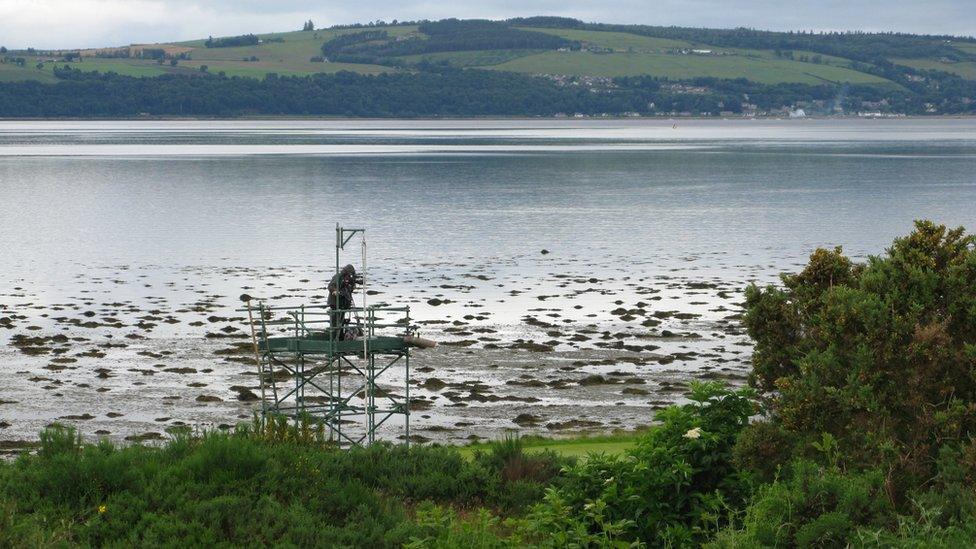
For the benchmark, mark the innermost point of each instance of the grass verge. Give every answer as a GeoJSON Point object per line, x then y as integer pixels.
{"type": "Point", "coordinates": [574, 447]}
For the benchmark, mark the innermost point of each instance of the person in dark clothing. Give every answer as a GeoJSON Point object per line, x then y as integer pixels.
{"type": "Point", "coordinates": [341, 289]}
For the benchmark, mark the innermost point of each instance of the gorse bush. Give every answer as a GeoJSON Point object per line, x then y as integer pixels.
{"type": "Point", "coordinates": [817, 505]}
{"type": "Point", "coordinates": [868, 380]}
{"type": "Point", "coordinates": [879, 354]}
{"type": "Point", "coordinates": [218, 489]}
{"type": "Point", "coordinates": [814, 506]}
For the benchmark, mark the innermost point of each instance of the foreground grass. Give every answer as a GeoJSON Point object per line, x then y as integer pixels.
{"type": "Point", "coordinates": [270, 484]}
{"type": "Point", "coordinates": [261, 485]}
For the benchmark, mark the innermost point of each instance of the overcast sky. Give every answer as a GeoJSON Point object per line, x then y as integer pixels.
{"type": "Point", "coordinates": [89, 23]}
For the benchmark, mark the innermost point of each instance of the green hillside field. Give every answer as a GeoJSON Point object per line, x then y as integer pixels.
{"type": "Point", "coordinates": [290, 53]}
{"type": "Point", "coordinates": [617, 40]}
{"type": "Point", "coordinates": [288, 57]}
{"type": "Point", "coordinates": [481, 67]}
{"type": "Point", "coordinates": [479, 58]}
{"type": "Point", "coordinates": [965, 69]}
{"type": "Point", "coordinates": [757, 69]}
{"type": "Point", "coordinates": [10, 72]}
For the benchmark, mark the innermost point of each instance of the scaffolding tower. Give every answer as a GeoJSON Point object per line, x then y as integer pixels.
{"type": "Point", "coordinates": [308, 370]}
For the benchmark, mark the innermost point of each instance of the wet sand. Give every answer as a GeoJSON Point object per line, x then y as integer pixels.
{"type": "Point", "coordinates": [538, 344]}
{"type": "Point", "coordinates": [121, 269]}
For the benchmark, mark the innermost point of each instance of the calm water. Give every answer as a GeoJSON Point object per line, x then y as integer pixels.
{"type": "Point", "coordinates": [270, 192]}
{"type": "Point", "coordinates": [130, 223]}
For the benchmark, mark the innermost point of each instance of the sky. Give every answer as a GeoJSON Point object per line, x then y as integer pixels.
{"type": "Point", "coordinates": [51, 24]}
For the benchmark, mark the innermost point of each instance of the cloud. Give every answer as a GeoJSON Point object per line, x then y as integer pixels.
{"type": "Point", "coordinates": [94, 23]}
{"type": "Point", "coordinates": [89, 23]}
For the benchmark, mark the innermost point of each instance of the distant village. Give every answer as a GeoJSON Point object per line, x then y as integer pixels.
{"type": "Point", "coordinates": [801, 109]}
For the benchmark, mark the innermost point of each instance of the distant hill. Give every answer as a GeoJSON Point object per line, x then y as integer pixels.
{"type": "Point", "coordinates": [866, 72]}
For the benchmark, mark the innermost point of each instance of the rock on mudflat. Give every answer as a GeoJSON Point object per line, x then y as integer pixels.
{"type": "Point", "coordinates": [527, 420]}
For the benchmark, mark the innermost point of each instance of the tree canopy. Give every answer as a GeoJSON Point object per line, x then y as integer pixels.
{"type": "Point", "coordinates": [881, 355]}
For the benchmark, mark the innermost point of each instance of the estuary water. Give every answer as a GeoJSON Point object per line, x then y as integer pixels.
{"type": "Point", "coordinates": [593, 238]}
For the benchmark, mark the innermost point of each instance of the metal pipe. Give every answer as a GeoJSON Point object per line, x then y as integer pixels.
{"type": "Point", "coordinates": [419, 342]}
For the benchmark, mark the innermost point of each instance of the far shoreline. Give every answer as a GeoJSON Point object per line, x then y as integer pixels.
{"type": "Point", "coordinates": [491, 118]}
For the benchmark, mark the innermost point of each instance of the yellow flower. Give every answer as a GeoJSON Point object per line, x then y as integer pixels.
{"type": "Point", "coordinates": [102, 509]}
{"type": "Point", "coordinates": [693, 433]}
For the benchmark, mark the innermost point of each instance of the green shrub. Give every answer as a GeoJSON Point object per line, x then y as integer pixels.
{"type": "Point", "coordinates": [928, 526]}
{"type": "Point", "coordinates": [675, 487]}
{"type": "Point", "coordinates": [942, 514]}
{"type": "Point", "coordinates": [813, 507]}
{"type": "Point", "coordinates": [761, 449]}
{"type": "Point", "coordinates": [59, 439]}
{"type": "Point", "coordinates": [521, 477]}
{"type": "Point", "coordinates": [881, 355]}
{"type": "Point", "coordinates": [441, 528]}
{"type": "Point", "coordinates": [557, 522]}
{"type": "Point", "coordinates": [508, 458]}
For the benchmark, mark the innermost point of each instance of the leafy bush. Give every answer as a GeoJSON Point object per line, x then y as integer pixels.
{"type": "Point", "coordinates": [814, 507]}
{"type": "Point", "coordinates": [881, 355]}
{"type": "Point", "coordinates": [522, 478]}
{"type": "Point", "coordinates": [558, 522]}
{"type": "Point", "coordinates": [761, 450]}
{"type": "Point", "coordinates": [675, 487]}
{"type": "Point", "coordinates": [823, 506]}
{"type": "Point", "coordinates": [441, 528]}
{"type": "Point", "coordinates": [926, 527]}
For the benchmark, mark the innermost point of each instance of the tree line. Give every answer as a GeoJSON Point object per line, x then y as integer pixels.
{"type": "Point", "coordinates": [862, 46]}
{"type": "Point", "coordinates": [375, 46]}
{"type": "Point", "coordinates": [430, 91]}
{"type": "Point", "coordinates": [232, 41]}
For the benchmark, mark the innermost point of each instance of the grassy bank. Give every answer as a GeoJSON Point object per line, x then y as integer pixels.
{"type": "Point", "coordinates": [574, 447]}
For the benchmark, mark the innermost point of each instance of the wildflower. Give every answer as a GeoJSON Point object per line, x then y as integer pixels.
{"type": "Point", "coordinates": [693, 433]}
{"type": "Point", "coordinates": [102, 509]}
